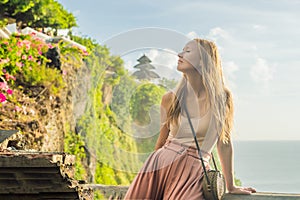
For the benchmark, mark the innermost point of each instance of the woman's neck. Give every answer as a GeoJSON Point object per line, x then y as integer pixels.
{"type": "Point", "coordinates": [195, 86]}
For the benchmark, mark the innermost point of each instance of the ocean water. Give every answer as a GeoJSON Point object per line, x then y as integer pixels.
{"type": "Point", "coordinates": [268, 166]}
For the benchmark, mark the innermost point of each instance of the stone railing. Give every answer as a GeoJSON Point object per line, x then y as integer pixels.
{"type": "Point", "coordinates": [118, 192]}
{"type": "Point", "coordinates": [262, 196]}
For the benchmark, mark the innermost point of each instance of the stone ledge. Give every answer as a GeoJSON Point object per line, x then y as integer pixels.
{"type": "Point", "coordinates": [262, 196]}
{"type": "Point", "coordinates": [115, 192]}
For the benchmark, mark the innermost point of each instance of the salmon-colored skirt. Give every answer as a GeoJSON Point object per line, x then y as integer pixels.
{"type": "Point", "coordinates": [172, 172]}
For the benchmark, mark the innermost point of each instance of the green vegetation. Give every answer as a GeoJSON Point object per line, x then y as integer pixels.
{"type": "Point", "coordinates": [146, 95]}
{"type": "Point", "coordinates": [99, 129]}
{"type": "Point", "coordinates": [36, 14]}
{"type": "Point", "coordinates": [121, 98]}
{"type": "Point", "coordinates": [168, 84]}
{"type": "Point", "coordinates": [73, 145]}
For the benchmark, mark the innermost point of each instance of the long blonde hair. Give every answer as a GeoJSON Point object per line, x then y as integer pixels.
{"type": "Point", "coordinates": [219, 96]}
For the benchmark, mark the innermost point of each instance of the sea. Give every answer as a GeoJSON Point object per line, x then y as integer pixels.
{"type": "Point", "coordinates": [268, 166]}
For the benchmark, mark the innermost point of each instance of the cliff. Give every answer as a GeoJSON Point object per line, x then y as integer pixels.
{"type": "Point", "coordinates": [43, 119]}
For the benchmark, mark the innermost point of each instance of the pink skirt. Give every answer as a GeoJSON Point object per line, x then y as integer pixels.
{"type": "Point", "coordinates": [172, 172]}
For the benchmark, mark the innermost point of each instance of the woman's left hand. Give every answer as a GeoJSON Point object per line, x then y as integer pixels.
{"type": "Point", "coordinates": [241, 190]}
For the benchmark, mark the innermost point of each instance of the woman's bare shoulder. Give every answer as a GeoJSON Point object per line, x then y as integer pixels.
{"type": "Point", "coordinates": [167, 99]}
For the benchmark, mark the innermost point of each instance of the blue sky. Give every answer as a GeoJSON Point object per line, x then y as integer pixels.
{"type": "Point", "coordinates": [259, 43]}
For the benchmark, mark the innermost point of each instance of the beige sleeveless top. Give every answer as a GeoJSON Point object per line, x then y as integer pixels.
{"type": "Point", "coordinates": [205, 128]}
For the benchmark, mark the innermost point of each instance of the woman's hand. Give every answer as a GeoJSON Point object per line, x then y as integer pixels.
{"type": "Point", "coordinates": [241, 190]}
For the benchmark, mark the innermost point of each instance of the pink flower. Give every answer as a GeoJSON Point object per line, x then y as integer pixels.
{"type": "Point", "coordinates": [5, 42]}
{"type": "Point", "coordinates": [30, 58]}
{"type": "Point", "coordinates": [9, 91]}
{"type": "Point", "coordinates": [19, 43]}
{"type": "Point", "coordinates": [3, 86]}
{"type": "Point", "coordinates": [2, 98]}
{"type": "Point", "coordinates": [17, 109]}
{"type": "Point", "coordinates": [39, 62]}
{"type": "Point", "coordinates": [8, 76]}
{"type": "Point", "coordinates": [64, 72]}
{"type": "Point", "coordinates": [24, 57]}
{"type": "Point", "coordinates": [85, 53]}
{"type": "Point", "coordinates": [27, 42]}
{"type": "Point", "coordinates": [3, 70]}
{"type": "Point", "coordinates": [19, 64]}
{"type": "Point", "coordinates": [40, 52]}
{"type": "Point", "coordinates": [50, 46]}
{"type": "Point", "coordinates": [19, 53]}
{"type": "Point", "coordinates": [27, 47]}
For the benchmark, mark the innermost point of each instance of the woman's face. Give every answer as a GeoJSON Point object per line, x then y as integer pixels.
{"type": "Point", "coordinates": [189, 58]}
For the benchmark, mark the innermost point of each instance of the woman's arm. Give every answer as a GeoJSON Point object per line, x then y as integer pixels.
{"type": "Point", "coordinates": [225, 152]}
{"type": "Point", "coordinates": [164, 128]}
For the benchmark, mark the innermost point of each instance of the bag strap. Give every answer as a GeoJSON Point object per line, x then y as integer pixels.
{"type": "Point", "coordinates": [197, 145]}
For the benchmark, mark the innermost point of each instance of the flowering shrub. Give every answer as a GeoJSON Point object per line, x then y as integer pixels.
{"type": "Point", "coordinates": [20, 53]}
{"type": "Point", "coordinates": [4, 89]}
{"type": "Point", "coordinates": [23, 57]}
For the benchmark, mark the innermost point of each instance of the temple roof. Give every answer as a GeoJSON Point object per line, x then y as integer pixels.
{"type": "Point", "coordinates": [144, 59]}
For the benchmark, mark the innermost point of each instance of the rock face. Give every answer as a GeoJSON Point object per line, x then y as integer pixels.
{"type": "Point", "coordinates": [43, 119]}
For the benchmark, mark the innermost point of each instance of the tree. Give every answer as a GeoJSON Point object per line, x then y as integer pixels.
{"type": "Point", "coordinates": [120, 103]}
{"type": "Point", "coordinates": [8, 9]}
{"type": "Point", "coordinates": [37, 14]}
{"type": "Point", "coordinates": [145, 68]}
{"type": "Point", "coordinates": [168, 83]}
{"type": "Point", "coordinates": [145, 97]}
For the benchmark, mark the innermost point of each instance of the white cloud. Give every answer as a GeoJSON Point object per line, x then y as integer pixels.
{"type": "Point", "coordinates": [128, 64]}
{"type": "Point", "coordinates": [191, 35]}
{"type": "Point", "coordinates": [165, 57]}
{"type": "Point", "coordinates": [262, 72]}
{"type": "Point", "coordinates": [230, 68]}
{"type": "Point", "coordinates": [221, 37]}
{"type": "Point", "coordinates": [76, 13]}
{"type": "Point", "coordinates": [218, 32]}
{"type": "Point", "coordinates": [258, 27]}
{"type": "Point", "coordinates": [153, 54]}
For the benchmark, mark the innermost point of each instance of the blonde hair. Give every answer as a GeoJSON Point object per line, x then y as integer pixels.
{"type": "Point", "coordinates": [219, 96]}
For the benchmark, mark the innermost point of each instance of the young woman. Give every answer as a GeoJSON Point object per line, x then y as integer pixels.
{"type": "Point", "coordinates": [174, 170]}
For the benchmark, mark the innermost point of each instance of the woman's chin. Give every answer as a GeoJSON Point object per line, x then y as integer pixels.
{"type": "Point", "coordinates": [180, 68]}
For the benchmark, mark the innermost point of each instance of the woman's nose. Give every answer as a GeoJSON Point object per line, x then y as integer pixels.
{"type": "Point", "coordinates": [180, 55]}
